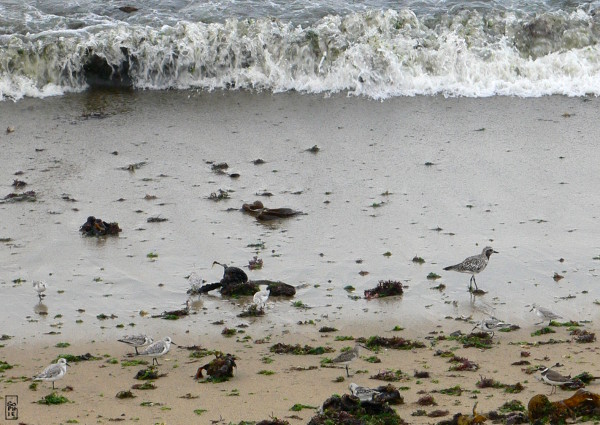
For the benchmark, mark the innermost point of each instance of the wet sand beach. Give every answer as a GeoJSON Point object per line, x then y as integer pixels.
{"type": "Point", "coordinates": [409, 177]}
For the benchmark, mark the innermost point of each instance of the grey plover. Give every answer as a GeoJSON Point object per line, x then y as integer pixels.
{"type": "Point", "coordinates": [347, 357]}
{"type": "Point", "coordinates": [490, 324]}
{"type": "Point", "coordinates": [363, 393]}
{"type": "Point", "coordinates": [554, 378]}
{"type": "Point", "coordinates": [53, 372]}
{"type": "Point", "coordinates": [544, 313]}
{"type": "Point", "coordinates": [260, 298]}
{"type": "Point", "coordinates": [232, 274]}
{"type": "Point", "coordinates": [39, 286]}
{"type": "Point", "coordinates": [473, 265]}
{"type": "Point", "coordinates": [157, 349]}
{"type": "Point", "coordinates": [137, 341]}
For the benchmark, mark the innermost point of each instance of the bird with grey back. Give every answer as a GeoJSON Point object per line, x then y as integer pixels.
{"type": "Point", "coordinates": [552, 377]}
{"type": "Point", "coordinates": [53, 372]}
{"type": "Point", "coordinates": [473, 265]}
{"type": "Point", "coordinates": [157, 349]}
{"type": "Point", "coordinates": [347, 357]}
{"type": "Point", "coordinates": [544, 313]}
{"type": "Point", "coordinates": [136, 341]}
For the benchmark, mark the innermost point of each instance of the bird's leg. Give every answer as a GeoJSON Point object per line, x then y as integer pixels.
{"type": "Point", "coordinates": [136, 351]}
{"type": "Point", "coordinates": [475, 282]}
{"type": "Point", "coordinates": [154, 359]}
{"type": "Point", "coordinates": [52, 384]}
{"type": "Point", "coordinates": [347, 374]}
{"type": "Point", "coordinates": [471, 283]}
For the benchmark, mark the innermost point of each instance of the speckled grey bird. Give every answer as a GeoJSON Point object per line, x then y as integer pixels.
{"type": "Point", "coordinates": [158, 349]}
{"type": "Point", "coordinates": [53, 372]}
{"type": "Point", "coordinates": [473, 265]}
{"type": "Point", "coordinates": [490, 324]}
{"type": "Point", "coordinates": [544, 313]}
{"type": "Point", "coordinates": [136, 341]}
{"type": "Point", "coordinates": [363, 393]}
{"type": "Point", "coordinates": [347, 357]}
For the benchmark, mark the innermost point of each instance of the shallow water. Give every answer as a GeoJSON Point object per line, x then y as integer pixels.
{"type": "Point", "coordinates": [515, 174]}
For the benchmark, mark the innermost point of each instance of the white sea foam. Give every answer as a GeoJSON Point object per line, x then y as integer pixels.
{"type": "Point", "coordinates": [375, 54]}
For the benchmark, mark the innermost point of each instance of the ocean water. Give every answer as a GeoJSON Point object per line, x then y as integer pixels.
{"type": "Point", "coordinates": [373, 48]}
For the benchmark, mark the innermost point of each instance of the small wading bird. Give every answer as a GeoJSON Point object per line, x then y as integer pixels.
{"type": "Point", "coordinates": [53, 372]}
{"type": "Point", "coordinates": [347, 357]}
{"type": "Point", "coordinates": [488, 325]}
{"type": "Point", "coordinates": [554, 378]}
{"type": "Point", "coordinates": [545, 314]}
{"type": "Point", "coordinates": [157, 349]}
{"type": "Point", "coordinates": [136, 341]}
{"type": "Point", "coordinates": [260, 298]}
{"type": "Point", "coordinates": [232, 274]}
{"type": "Point", "coordinates": [474, 265]}
{"type": "Point", "coordinates": [363, 393]}
{"type": "Point", "coordinates": [39, 286]}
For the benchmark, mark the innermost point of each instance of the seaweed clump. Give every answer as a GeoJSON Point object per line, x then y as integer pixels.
{"type": "Point", "coordinates": [395, 342]}
{"type": "Point", "coordinates": [281, 348]}
{"type": "Point", "coordinates": [97, 227]}
{"type": "Point", "coordinates": [385, 288]}
{"type": "Point", "coordinates": [349, 410]}
{"type": "Point", "coordinates": [219, 369]}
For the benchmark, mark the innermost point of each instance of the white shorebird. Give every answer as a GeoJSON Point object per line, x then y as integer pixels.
{"type": "Point", "coordinates": [136, 341]}
{"type": "Point", "coordinates": [554, 378]}
{"type": "Point", "coordinates": [347, 357]}
{"type": "Point", "coordinates": [261, 297]}
{"type": "Point", "coordinates": [39, 286]}
{"type": "Point", "coordinates": [195, 281]}
{"type": "Point", "coordinates": [53, 372]}
{"type": "Point", "coordinates": [544, 313]}
{"type": "Point", "coordinates": [363, 393]}
{"type": "Point", "coordinates": [490, 324]}
{"type": "Point", "coordinates": [157, 349]}
{"type": "Point", "coordinates": [473, 265]}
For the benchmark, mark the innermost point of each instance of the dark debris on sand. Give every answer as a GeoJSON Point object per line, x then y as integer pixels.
{"type": "Point", "coordinates": [385, 288]}
{"type": "Point", "coordinates": [219, 369]}
{"type": "Point", "coordinates": [349, 410]}
{"type": "Point", "coordinates": [97, 227]}
{"type": "Point", "coordinates": [258, 210]}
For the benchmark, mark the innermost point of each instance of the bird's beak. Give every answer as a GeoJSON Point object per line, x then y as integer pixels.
{"type": "Point", "coordinates": [496, 252]}
{"type": "Point", "coordinates": [474, 327]}
{"type": "Point", "coordinates": [531, 309]}
{"type": "Point", "coordinates": [172, 343]}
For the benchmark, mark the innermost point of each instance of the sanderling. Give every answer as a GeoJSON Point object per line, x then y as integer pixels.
{"type": "Point", "coordinates": [554, 378]}
{"type": "Point", "coordinates": [347, 357]}
{"type": "Point", "coordinates": [473, 265]}
{"type": "Point", "coordinates": [157, 349]}
{"type": "Point", "coordinates": [39, 286]}
{"type": "Point", "coordinates": [53, 372]}
{"type": "Point", "coordinates": [261, 297]}
{"type": "Point", "coordinates": [488, 325]}
{"type": "Point", "coordinates": [137, 341]}
{"type": "Point", "coordinates": [363, 393]}
{"type": "Point", "coordinates": [195, 282]}
{"type": "Point", "coordinates": [232, 274]}
{"type": "Point", "coordinates": [544, 313]}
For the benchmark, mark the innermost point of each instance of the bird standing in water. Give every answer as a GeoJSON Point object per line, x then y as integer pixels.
{"type": "Point", "coordinates": [473, 265]}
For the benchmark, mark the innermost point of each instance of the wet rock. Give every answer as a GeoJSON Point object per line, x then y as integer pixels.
{"type": "Point", "coordinates": [97, 227]}
{"type": "Point", "coordinates": [258, 210]}
{"type": "Point", "coordinates": [128, 9]}
{"type": "Point", "coordinates": [99, 73]}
